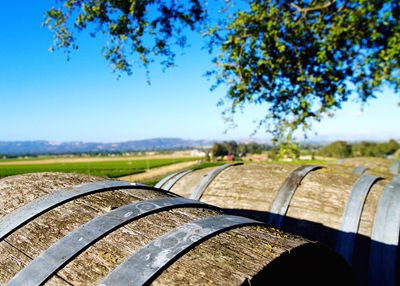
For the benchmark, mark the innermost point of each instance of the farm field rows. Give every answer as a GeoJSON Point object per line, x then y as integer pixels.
{"type": "Point", "coordinates": [104, 168]}
{"type": "Point", "coordinates": [79, 159]}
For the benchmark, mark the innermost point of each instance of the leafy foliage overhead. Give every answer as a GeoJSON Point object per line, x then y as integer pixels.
{"type": "Point", "coordinates": [145, 29]}
{"type": "Point", "coordinates": [304, 58]}
{"type": "Point", "coordinates": [301, 59]}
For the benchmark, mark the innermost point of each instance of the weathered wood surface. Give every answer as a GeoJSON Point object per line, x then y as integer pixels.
{"type": "Point", "coordinates": [316, 210]}
{"type": "Point", "coordinates": [249, 186]}
{"type": "Point", "coordinates": [187, 184]}
{"type": "Point", "coordinates": [231, 258]}
{"type": "Point", "coordinates": [320, 198]}
{"type": "Point", "coordinates": [376, 165]}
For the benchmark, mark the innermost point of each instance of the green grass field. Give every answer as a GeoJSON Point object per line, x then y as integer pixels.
{"type": "Point", "coordinates": [111, 169]}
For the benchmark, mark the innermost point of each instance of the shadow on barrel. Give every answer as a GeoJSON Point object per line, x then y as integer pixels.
{"type": "Point", "coordinates": [373, 262]}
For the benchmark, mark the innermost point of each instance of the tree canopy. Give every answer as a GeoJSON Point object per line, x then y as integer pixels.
{"type": "Point", "coordinates": [237, 149]}
{"type": "Point", "coordinates": [300, 59]}
{"type": "Point", "coordinates": [343, 149]}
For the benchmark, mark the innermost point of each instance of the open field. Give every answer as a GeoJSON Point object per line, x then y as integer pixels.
{"type": "Point", "coordinates": [85, 159]}
{"type": "Point", "coordinates": [105, 167]}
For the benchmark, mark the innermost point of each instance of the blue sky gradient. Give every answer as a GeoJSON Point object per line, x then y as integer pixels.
{"type": "Point", "coordinates": [44, 96]}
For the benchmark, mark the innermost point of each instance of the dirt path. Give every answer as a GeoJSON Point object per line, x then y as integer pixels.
{"type": "Point", "coordinates": [158, 172]}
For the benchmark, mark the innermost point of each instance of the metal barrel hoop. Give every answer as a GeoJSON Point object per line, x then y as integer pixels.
{"type": "Point", "coordinates": [206, 181]}
{"type": "Point", "coordinates": [42, 268]}
{"type": "Point", "coordinates": [175, 179]}
{"type": "Point", "coordinates": [359, 170]}
{"type": "Point", "coordinates": [285, 194]}
{"type": "Point", "coordinates": [345, 242]}
{"type": "Point", "coordinates": [30, 211]}
{"type": "Point", "coordinates": [147, 263]}
{"type": "Point", "coordinates": [165, 179]}
{"type": "Point", "coordinates": [169, 181]}
{"type": "Point", "coordinates": [383, 260]}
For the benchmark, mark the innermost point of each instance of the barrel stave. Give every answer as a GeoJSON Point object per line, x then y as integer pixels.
{"type": "Point", "coordinates": [254, 247]}
{"type": "Point", "coordinates": [16, 193]}
{"type": "Point", "coordinates": [101, 258]}
{"type": "Point", "coordinates": [375, 165]}
{"type": "Point", "coordinates": [35, 237]}
{"type": "Point", "coordinates": [236, 264]}
{"type": "Point", "coordinates": [369, 209]}
{"type": "Point", "coordinates": [187, 184]}
{"type": "Point", "coordinates": [322, 196]}
{"type": "Point", "coordinates": [45, 230]}
{"type": "Point", "coordinates": [235, 187]}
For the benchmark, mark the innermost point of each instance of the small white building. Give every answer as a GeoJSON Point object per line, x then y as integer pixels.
{"type": "Point", "coordinates": [197, 153]}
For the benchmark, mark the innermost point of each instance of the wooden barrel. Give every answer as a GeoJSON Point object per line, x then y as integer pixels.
{"type": "Point", "coordinates": [68, 229]}
{"type": "Point", "coordinates": [376, 165]}
{"type": "Point", "coordinates": [332, 205]}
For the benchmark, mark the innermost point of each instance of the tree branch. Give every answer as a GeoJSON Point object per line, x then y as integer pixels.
{"type": "Point", "coordinates": [311, 9]}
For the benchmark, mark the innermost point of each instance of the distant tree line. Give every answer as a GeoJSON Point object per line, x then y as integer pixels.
{"type": "Point", "coordinates": [237, 149]}
{"type": "Point", "coordinates": [95, 153]}
{"type": "Point", "coordinates": [287, 150]}
{"type": "Point", "coordinates": [343, 149]}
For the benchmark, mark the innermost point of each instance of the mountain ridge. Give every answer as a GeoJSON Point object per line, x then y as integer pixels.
{"type": "Point", "coordinates": [38, 147]}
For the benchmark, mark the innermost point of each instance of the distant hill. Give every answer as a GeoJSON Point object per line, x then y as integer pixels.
{"type": "Point", "coordinates": [15, 148]}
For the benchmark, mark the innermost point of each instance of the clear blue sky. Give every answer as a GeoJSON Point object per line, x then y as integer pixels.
{"type": "Point", "coordinates": [45, 97]}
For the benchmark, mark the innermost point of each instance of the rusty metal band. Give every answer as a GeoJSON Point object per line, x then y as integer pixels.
{"type": "Point", "coordinates": [42, 268]}
{"type": "Point", "coordinates": [206, 181]}
{"type": "Point", "coordinates": [175, 179]}
{"type": "Point", "coordinates": [360, 170]}
{"type": "Point", "coordinates": [148, 262]}
{"type": "Point", "coordinates": [395, 167]}
{"type": "Point", "coordinates": [351, 217]}
{"type": "Point", "coordinates": [30, 211]}
{"type": "Point", "coordinates": [383, 260]}
{"type": "Point", "coordinates": [169, 181]}
{"type": "Point", "coordinates": [285, 194]}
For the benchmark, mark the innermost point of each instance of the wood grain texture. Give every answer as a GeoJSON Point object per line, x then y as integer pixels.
{"type": "Point", "coordinates": [185, 186]}
{"type": "Point", "coordinates": [230, 258]}
{"type": "Point", "coordinates": [15, 193]}
{"type": "Point", "coordinates": [318, 202]}
{"type": "Point", "coordinates": [371, 203]}
{"type": "Point", "coordinates": [317, 207]}
{"type": "Point", "coordinates": [249, 186]}
{"type": "Point", "coordinates": [376, 166]}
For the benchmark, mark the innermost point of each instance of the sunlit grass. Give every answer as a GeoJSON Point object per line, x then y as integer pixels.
{"type": "Point", "coordinates": [111, 169]}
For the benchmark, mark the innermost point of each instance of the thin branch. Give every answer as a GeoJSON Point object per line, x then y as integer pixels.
{"type": "Point", "coordinates": [311, 9]}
